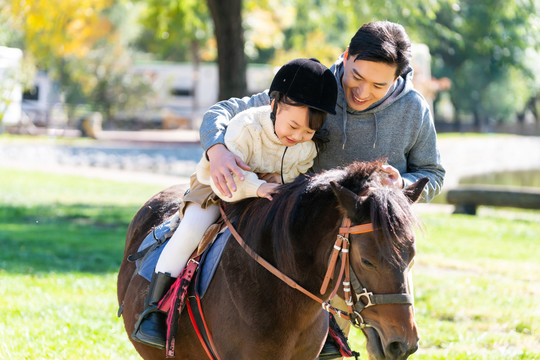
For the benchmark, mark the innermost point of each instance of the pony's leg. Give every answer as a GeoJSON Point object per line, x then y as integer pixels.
{"type": "Point", "coordinates": [186, 238]}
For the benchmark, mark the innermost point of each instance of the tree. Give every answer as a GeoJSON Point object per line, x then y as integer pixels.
{"type": "Point", "coordinates": [229, 34]}
{"type": "Point", "coordinates": [481, 45]}
{"type": "Point", "coordinates": [80, 45]}
{"type": "Point", "coordinates": [53, 31]}
{"type": "Point", "coordinates": [177, 31]}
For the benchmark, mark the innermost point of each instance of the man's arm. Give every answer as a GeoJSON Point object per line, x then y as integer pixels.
{"type": "Point", "coordinates": [424, 160]}
{"type": "Point", "coordinates": [223, 163]}
{"type": "Point", "coordinates": [218, 116]}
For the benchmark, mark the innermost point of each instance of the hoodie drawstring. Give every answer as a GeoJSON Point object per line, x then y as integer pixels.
{"type": "Point", "coordinates": [344, 134]}
{"type": "Point", "coordinates": [375, 121]}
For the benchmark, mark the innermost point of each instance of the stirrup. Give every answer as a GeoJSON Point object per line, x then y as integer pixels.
{"type": "Point", "coordinates": [137, 335]}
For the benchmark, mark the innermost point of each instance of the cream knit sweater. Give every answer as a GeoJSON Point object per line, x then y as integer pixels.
{"type": "Point", "coordinates": [251, 136]}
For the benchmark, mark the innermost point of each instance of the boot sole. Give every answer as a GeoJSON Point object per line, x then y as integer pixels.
{"type": "Point", "coordinates": [148, 340]}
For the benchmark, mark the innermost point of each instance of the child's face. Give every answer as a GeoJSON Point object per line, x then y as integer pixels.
{"type": "Point", "coordinates": [292, 124]}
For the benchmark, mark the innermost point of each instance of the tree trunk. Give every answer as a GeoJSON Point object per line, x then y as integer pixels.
{"type": "Point", "coordinates": [457, 119]}
{"type": "Point", "coordinates": [229, 34]}
{"type": "Point", "coordinates": [194, 91]}
{"type": "Point", "coordinates": [478, 121]}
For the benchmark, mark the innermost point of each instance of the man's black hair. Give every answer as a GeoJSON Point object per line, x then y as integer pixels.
{"type": "Point", "coordinates": [382, 41]}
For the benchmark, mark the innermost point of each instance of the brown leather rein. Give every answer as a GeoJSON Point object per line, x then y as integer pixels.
{"type": "Point", "coordinates": [355, 307]}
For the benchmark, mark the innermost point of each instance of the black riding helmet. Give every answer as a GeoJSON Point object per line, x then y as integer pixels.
{"type": "Point", "coordinates": [308, 82]}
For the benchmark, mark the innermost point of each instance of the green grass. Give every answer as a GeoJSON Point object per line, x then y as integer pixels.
{"type": "Point", "coordinates": [61, 243]}
{"type": "Point", "coordinates": [477, 286]}
{"type": "Point", "coordinates": [451, 135]}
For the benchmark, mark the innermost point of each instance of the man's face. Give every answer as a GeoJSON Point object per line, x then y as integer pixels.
{"type": "Point", "coordinates": [365, 82]}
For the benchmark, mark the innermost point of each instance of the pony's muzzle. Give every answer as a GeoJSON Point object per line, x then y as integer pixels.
{"type": "Point", "coordinates": [398, 349]}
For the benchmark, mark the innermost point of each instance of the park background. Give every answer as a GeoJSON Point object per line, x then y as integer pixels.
{"type": "Point", "coordinates": [100, 109]}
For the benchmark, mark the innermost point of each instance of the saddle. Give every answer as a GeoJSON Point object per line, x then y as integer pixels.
{"type": "Point", "coordinates": [194, 278]}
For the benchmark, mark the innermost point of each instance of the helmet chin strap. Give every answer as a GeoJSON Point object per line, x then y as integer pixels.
{"type": "Point", "coordinates": [273, 118]}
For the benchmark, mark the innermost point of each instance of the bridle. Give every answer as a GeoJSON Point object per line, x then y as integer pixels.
{"type": "Point", "coordinates": [363, 298]}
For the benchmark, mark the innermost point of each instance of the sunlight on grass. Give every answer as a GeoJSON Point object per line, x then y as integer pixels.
{"type": "Point", "coordinates": [61, 316]}
{"type": "Point", "coordinates": [477, 288]}
{"type": "Point", "coordinates": [61, 243]}
{"type": "Point", "coordinates": [28, 188]}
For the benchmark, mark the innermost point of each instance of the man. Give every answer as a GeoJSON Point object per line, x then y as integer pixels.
{"type": "Point", "coordinates": [378, 115]}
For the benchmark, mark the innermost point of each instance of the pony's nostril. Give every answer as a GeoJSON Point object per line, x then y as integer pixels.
{"type": "Point", "coordinates": [396, 349]}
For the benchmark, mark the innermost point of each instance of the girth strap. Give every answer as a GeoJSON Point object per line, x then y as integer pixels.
{"type": "Point", "coordinates": [199, 325]}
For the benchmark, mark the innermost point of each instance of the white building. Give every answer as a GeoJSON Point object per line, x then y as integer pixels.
{"type": "Point", "coordinates": [181, 92]}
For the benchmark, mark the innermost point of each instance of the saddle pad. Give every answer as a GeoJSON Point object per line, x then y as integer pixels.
{"type": "Point", "coordinates": [160, 233]}
{"type": "Point", "coordinates": [209, 262]}
{"type": "Point", "coordinates": [149, 265]}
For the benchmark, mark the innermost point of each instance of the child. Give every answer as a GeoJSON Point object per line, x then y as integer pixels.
{"type": "Point", "coordinates": [277, 141]}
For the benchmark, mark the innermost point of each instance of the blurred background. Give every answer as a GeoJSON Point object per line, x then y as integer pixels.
{"type": "Point", "coordinates": [100, 105]}
{"type": "Point", "coordinates": [154, 64]}
{"type": "Point", "coordinates": [144, 72]}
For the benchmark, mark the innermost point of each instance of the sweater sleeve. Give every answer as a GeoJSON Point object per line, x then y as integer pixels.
{"type": "Point", "coordinates": [240, 139]}
{"type": "Point", "coordinates": [245, 189]}
{"type": "Point", "coordinates": [218, 117]}
{"type": "Point", "coordinates": [424, 160]}
{"type": "Point", "coordinates": [306, 163]}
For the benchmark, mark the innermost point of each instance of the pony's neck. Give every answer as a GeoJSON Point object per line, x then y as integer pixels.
{"type": "Point", "coordinates": [296, 236]}
{"type": "Point", "coordinates": [314, 233]}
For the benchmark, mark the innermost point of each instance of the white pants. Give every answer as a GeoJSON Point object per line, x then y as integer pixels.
{"type": "Point", "coordinates": [186, 238]}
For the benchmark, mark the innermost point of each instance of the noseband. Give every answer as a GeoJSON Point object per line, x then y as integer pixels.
{"type": "Point", "coordinates": [364, 298]}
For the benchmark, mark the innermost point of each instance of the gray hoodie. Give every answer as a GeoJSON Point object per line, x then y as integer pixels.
{"type": "Point", "coordinates": [399, 128]}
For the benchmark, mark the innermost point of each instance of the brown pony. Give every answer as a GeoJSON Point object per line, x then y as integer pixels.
{"type": "Point", "coordinates": [250, 313]}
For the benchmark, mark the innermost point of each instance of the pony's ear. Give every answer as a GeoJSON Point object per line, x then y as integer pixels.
{"type": "Point", "coordinates": [414, 191]}
{"type": "Point", "coordinates": [347, 199]}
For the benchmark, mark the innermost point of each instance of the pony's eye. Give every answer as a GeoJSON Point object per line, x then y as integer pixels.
{"type": "Point", "coordinates": [367, 263]}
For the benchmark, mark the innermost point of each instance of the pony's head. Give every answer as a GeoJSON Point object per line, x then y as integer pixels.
{"type": "Point", "coordinates": [297, 228]}
{"type": "Point", "coordinates": [380, 263]}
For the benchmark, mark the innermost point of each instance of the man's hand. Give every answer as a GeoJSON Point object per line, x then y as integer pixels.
{"type": "Point", "coordinates": [270, 177]}
{"type": "Point", "coordinates": [223, 164]}
{"type": "Point", "coordinates": [266, 190]}
{"type": "Point", "coordinates": [392, 178]}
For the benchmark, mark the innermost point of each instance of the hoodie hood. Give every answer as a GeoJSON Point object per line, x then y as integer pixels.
{"type": "Point", "coordinates": [400, 88]}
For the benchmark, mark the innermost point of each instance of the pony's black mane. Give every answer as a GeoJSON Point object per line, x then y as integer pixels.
{"type": "Point", "coordinates": [309, 196]}
{"type": "Point", "coordinates": [391, 212]}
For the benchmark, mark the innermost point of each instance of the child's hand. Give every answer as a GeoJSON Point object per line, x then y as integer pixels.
{"type": "Point", "coordinates": [266, 190]}
{"type": "Point", "coordinates": [270, 177]}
